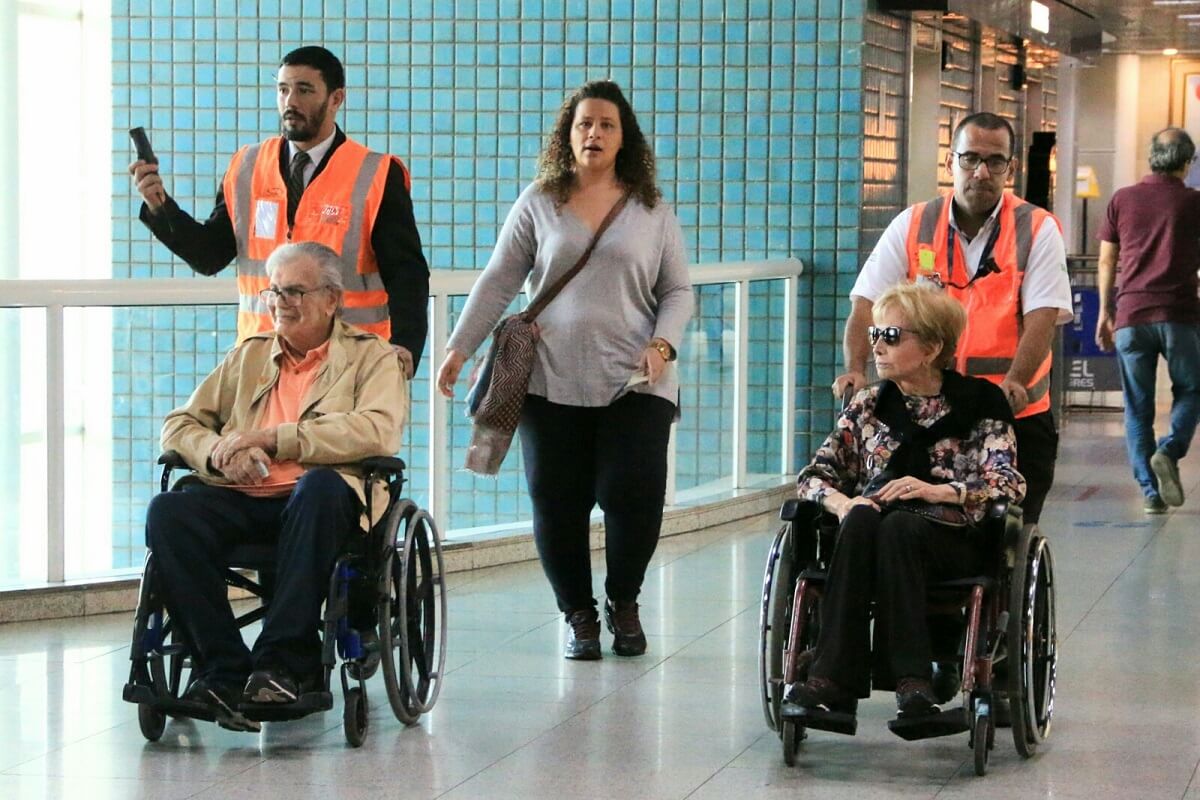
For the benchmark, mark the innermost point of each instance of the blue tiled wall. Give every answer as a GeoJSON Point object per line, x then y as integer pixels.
{"type": "Point", "coordinates": [753, 107]}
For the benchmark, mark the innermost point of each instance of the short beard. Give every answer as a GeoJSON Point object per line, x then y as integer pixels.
{"type": "Point", "coordinates": [307, 130]}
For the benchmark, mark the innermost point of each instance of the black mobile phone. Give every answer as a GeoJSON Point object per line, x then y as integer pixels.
{"type": "Point", "coordinates": [142, 143]}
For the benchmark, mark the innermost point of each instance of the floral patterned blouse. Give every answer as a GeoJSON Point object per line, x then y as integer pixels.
{"type": "Point", "coordinates": [982, 468]}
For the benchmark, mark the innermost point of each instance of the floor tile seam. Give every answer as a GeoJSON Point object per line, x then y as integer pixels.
{"type": "Point", "coordinates": [1099, 598]}
{"type": "Point", "coordinates": [726, 765]}
{"type": "Point", "coordinates": [1191, 781]}
{"type": "Point", "coordinates": [582, 710]}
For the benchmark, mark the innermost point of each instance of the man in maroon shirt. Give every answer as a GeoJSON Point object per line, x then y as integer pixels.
{"type": "Point", "coordinates": [1153, 230]}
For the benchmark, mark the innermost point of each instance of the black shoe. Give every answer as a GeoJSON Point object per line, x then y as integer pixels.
{"type": "Point", "coordinates": [821, 693]}
{"type": "Point", "coordinates": [270, 686]}
{"type": "Point", "coordinates": [583, 636]}
{"type": "Point", "coordinates": [372, 654]}
{"type": "Point", "coordinates": [915, 697]}
{"type": "Point", "coordinates": [946, 681]}
{"type": "Point", "coordinates": [1154, 505]}
{"type": "Point", "coordinates": [623, 623]}
{"type": "Point", "coordinates": [222, 700]}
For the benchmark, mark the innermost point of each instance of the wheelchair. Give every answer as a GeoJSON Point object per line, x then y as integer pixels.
{"type": "Point", "coordinates": [1010, 625]}
{"type": "Point", "coordinates": [397, 564]}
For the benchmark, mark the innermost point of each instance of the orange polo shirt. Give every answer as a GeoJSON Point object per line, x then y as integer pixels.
{"type": "Point", "coordinates": [296, 376]}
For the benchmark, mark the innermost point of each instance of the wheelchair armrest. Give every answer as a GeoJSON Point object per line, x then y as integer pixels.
{"type": "Point", "coordinates": [173, 460]}
{"type": "Point", "coordinates": [387, 464]}
{"type": "Point", "coordinates": [794, 508]}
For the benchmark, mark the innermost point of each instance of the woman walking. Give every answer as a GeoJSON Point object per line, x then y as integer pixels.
{"type": "Point", "coordinates": [603, 392]}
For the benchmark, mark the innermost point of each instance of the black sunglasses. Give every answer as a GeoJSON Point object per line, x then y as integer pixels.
{"type": "Point", "coordinates": [890, 334]}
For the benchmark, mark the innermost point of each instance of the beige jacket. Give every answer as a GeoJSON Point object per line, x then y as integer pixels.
{"type": "Point", "coordinates": [356, 408]}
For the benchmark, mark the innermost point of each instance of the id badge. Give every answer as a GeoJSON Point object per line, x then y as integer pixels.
{"type": "Point", "coordinates": [266, 219]}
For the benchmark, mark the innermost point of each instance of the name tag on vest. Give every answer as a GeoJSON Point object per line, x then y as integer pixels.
{"type": "Point", "coordinates": [266, 219]}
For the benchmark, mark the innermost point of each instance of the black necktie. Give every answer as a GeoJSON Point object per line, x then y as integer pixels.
{"type": "Point", "coordinates": [295, 184]}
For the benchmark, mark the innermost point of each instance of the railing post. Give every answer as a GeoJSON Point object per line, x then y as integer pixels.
{"type": "Point", "coordinates": [741, 380]}
{"type": "Point", "coordinates": [787, 448]}
{"type": "Point", "coordinates": [56, 424]}
{"type": "Point", "coordinates": [438, 438]}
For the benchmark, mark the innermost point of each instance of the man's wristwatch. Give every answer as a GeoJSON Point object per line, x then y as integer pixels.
{"type": "Point", "coordinates": [664, 349]}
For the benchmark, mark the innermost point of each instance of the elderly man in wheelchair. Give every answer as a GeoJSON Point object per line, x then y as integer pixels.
{"type": "Point", "coordinates": [273, 436]}
{"type": "Point", "coordinates": [915, 468]}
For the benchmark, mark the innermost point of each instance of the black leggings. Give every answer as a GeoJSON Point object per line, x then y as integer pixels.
{"type": "Point", "coordinates": [890, 558]}
{"type": "Point", "coordinates": [575, 457]}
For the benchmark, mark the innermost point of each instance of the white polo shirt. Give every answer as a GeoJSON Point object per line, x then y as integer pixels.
{"type": "Point", "coordinates": [1046, 284]}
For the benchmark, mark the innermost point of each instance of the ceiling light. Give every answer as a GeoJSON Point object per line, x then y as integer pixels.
{"type": "Point", "coordinates": [1188, 16]}
{"type": "Point", "coordinates": [1170, 51]}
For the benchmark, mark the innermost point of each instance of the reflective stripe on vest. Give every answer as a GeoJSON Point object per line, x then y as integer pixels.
{"type": "Point", "coordinates": [337, 209]}
{"type": "Point", "coordinates": [993, 303]}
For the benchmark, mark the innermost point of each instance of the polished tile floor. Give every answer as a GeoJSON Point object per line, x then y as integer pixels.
{"type": "Point", "coordinates": [517, 721]}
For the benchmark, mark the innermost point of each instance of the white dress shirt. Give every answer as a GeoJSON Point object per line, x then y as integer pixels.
{"type": "Point", "coordinates": [316, 153]}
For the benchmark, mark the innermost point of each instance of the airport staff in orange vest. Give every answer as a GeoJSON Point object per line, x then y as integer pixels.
{"type": "Point", "coordinates": [1005, 261]}
{"type": "Point", "coordinates": [310, 184]}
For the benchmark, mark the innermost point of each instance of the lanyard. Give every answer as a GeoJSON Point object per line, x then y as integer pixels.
{"type": "Point", "coordinates": [987, 264]}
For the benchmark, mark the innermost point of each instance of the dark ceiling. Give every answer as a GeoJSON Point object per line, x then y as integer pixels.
{"type": "Point", "coordinates": [1145, 25]}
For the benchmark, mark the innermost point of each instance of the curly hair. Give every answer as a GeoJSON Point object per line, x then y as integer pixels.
{"type": "Point", "coordinates": [635, 161]}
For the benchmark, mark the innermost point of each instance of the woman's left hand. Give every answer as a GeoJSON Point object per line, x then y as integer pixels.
{"type": "Point", "coordinates": [652, 364]}
{"type": "Point", "coordinates": [907, 488]}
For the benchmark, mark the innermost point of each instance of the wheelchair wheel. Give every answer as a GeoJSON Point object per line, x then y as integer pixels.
{"type": "Point", "coordinates": [158, 656]}
{"type": "Point", "coordinates": [981, 742]}
{"type": "Point", "coordinates": [355, 719]}
{"type": "Point", "coordinates": [773, 622]}
{"type": "Point", "coordinates": [1032, 642]}
{"type": "Point", "coordinates": [152, 722]}
{"type": "Point", "coordinates": [412, 618]}
{"type": "Point", "coordinates": [791, 735]}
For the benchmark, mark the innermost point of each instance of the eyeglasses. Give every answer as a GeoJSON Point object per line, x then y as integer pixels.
{"type": "Point", "coordinates": [890, 334]}
{"type": "Point", "coordinates": [995, 164]}
{"type": "Point", "coordinates": [290, 295]}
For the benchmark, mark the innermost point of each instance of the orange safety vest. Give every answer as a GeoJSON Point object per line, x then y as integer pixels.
{"type": "Point", "coordinates": [993, 303]}
{"type": "Point", "coordinates": [337, 209]}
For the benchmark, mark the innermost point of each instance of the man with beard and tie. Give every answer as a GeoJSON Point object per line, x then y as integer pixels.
{"type": "Point", "coordinates": [310, 184]}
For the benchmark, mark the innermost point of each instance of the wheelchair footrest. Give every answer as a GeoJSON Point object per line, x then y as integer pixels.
{"type": "Point", "coordinates": [137, 693]}
{"type": "Point", "coordinates": [820, 719]}
{"type": "Point", "coordinates": [307, 703]}
{"type": "Point", "coordinates": [929, 726]}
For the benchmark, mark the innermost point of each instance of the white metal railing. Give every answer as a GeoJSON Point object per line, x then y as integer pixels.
{"type": "Point", "coordinates": [56, 295]}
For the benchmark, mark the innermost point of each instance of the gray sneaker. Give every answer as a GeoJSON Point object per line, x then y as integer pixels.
{"type": "Point", "coordinates": [1154, 505]}
{"type": "Point", "coordinates": [1167, 472]}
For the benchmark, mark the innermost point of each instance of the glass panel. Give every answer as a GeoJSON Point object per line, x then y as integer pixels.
{"type": "Point", "coordinates": [22, 446]}
{"type": "Point", "coordinates": [704, 438]}
{"type": "Point", "coordinates": [764, 409]}
{"type": "Point", "coordinates": [126, 369]}
{"type": "Point", "coordinates": [478, 501]}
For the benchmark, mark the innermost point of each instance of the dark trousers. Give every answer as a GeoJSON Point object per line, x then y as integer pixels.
{"type": "Point", "coordinates": [888, 558]}
{"type": "Point", "coordinates": [1037, 452]}
{"type": "Point", "coordinates": [575, 457]}
{"type": "Point", "coordinates": [191, 531]}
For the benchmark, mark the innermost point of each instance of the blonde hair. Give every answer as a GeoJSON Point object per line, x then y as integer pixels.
{"type": "Point", "coordinates": [932, 315]}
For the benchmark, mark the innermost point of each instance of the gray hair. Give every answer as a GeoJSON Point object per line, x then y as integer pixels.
{"type": "Point", "coordinates": [328, 262]}
{"type": "Point", "coordinates": [1171, 150]}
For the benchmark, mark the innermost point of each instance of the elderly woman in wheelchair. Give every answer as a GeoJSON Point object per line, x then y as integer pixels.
{"type": "Point", "coordinates": [910, 471]}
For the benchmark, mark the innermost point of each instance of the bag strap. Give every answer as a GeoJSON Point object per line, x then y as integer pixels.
{"type": "Point", "coordinates": [543, 300]}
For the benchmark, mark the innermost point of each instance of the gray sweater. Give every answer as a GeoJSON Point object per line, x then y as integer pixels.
{"type": "Point", "coordinates": [634, 287]}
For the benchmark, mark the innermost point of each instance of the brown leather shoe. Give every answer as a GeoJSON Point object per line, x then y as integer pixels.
{"type": "Point", "coordinates": [583, 635]}
{"type": "Point", "coordinates": [621, 617]}
{"type": "Point", "coordinates": [821, 693]}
